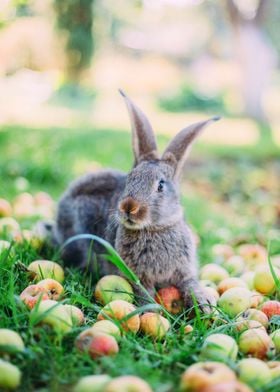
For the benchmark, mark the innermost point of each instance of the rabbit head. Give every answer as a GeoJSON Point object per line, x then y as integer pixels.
{"type": "Point", "coordinates": [151, 197]}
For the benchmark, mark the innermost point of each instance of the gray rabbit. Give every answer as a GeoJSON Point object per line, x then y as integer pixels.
{"type": "Point", "coordinates": [139, 214]}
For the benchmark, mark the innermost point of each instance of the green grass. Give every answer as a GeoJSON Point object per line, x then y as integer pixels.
{"type": "Point", "coordinates": [229, 196]}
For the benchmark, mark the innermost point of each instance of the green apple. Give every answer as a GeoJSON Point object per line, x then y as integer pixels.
{"type": "Point", "coordinates": [257, 315]}
{"type": "Point", "coordinates": [127, 384]}
{"type": "Point", "coordinates": [254, 372]}
{"type": "Point", "coordinates": [8, 225]}
{"type": "Point", "coordinates": [42, 269]}
{"type": "Point", "coordinates": [235, 301]}
{"type": "Point", "coordinates": [275, 336]}
{"type": "Point", "coordinates": [54, 314]}
{"type": "Point", "coordinates": [219, 347]}
{"type": "Point", "coordinates": [234, 265]}
{"type": "Point", "coordinates": [10, 376]}
{"type": "Point", "coordinates": [77, 316]}
{"type": "Point", "coordinates": [113, 287]}
{"type": "Point", "coordinates": [213, 272]}
{"type": "Point", "coordinates": [108, 327]}
{"type": "Point", "coordinates": [10, 341]}
{"type": "Point", "coordinates": [92, 383]}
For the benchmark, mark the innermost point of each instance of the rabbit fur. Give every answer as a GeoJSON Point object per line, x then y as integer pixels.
{"type": "Point", "coordinates": [139, 214]}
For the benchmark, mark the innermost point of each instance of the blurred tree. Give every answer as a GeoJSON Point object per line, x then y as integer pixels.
{"type": "Point", "coordinates": [75, 19]}
{"type": "Point", "coordinates": [254, 51]}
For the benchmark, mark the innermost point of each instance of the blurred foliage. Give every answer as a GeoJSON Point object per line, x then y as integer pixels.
{"type": "Point", "coordinates": [75, 18]}
{"type": "Point", "coordinates": [187, 98]}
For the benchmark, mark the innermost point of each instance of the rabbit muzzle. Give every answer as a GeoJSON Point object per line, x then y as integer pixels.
{"type": "Point", "coordinates": [132, 212]}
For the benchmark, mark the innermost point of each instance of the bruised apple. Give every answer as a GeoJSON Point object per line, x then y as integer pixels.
{"type": "Point", "coordinates": [170, 298]}
{"type": "Point", "coordinates": [53, 314]}
{"type": "Point", "coordinates": [255, 342]}
{"type": "Point", "coordinates": [271, 308]}
{"type": "Point", "coordinates": [235, 301]}
{"type": "Point", "coordinates": [77, 316]}
{"type": "Point", "coordinates": [229, 283]}
{"type": "Point", "coordinates": [32, 294]}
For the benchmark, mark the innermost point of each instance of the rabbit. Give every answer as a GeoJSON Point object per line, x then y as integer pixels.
{"type": "Point", "coordinates": [138, 213]}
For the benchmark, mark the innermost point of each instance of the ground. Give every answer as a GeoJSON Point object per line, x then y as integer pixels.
{"type": "Point", "coordinates": [230, 195]}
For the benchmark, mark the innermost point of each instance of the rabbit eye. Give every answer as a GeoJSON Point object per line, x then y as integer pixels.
{"type": "Point", "coordinates": [160, 185]}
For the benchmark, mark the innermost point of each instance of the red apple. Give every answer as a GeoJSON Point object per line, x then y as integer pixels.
{"type": "Point", "coordinates": [170, 298]}
{"type": "Point", "coordinates": [102, 345]}
{"type": "Point", "coordinates": [271, 308]}
{"type": "Point", "coordinates": [32, 294]}
{"type": "Point", "coordinates": [233, 386]}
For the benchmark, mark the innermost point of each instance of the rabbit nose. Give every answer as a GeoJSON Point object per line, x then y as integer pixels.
{"type": "Point", "coordinates": [129, 206]}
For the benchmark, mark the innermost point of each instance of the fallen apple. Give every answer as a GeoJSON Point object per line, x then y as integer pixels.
{"type": "Point", "coordinates": [219, 347]}
{"type": "Point", "coordinates": [271, 308]}
{"type": "Point", "coordinates": [8, 225]}
{"type": "Point", "coordinates": [10, 341]}
{"type": "Point", "coordinates": [274, 367]}
{"type": "Point", "coordinates": [95, 383]}
{"type": "Point", "coordinates": [170, 298]}
{"type": "Point", "coordinates": [154, 325]}
{"type": "Point", "coordinates": [102, 345]}
{"type": "Point", "coordinates": [4, 245]}
{"type": "Point", "coordinates": [203, 375]}
{"type": "Point", "coordinates": [234, 265]}
{"type": "Point", "coordinates": [213, 272]}
{"type": "Point", "coordinates": [77, 316]}
{"type": "Point", "coordinates": [253, 254]}
{"type": "Point", "coordinates": [5, 208]}
{"type": "Point", "coordinates": [42, 269]}
{"type": "Point", "coordinates": [275, 336]}
{"type": "Point", "coordinates": [52, 287]}
{"type": "Point", "coordinates": [256, 299]}
{"type": "Point", "coordinates": [113, 287]}
{"type": "Point", "coordinates": [32, 294]}
{"type": "Point", "coordinates": [229, 283]}
{"type": "Point", "coordinates": [213, 293]}
{"type": "Point", "coordinates": [120, 311]}
{"type": "Point", "coordinates": [235, 300]}
{"type": "Point", "coordinates": [127, 384]}
{"type": "Point", "coordinates": [53, 314]}
{"type": "Point", "coordinates": [254, 372]}
{"type": "Point", "coordinates": [264, 282]}
{"type": "Point", "coordinates": [257, 315]}
{"type": "Point", "coordinates": [108, 327]}
{"type": "Point", "coordinates": [255, 342]}
{"type": "Point", "coordinates": [233, 386]}
{"type": "Point", "coordinates": [242, 324]}
{"type": "Point", "coordinates": [10, 376]}
{"type": "Point", "coordinates": [248, 278]}
{"type": "Point", "coordinates": [222, 252]}
{"type": "Point", "coordinates": [23, 205]}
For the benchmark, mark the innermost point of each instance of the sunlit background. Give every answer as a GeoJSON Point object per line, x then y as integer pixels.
{"type": "Point", "coordinates": [62, 62]}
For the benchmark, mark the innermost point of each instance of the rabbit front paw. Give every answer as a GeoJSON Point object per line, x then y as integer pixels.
{"type": "Point", "coordinates": [202, 298]}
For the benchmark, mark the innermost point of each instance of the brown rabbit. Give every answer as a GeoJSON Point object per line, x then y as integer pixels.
{"type": "Point", "coordinates": [139, 213]}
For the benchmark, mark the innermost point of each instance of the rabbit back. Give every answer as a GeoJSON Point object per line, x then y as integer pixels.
{"type": "Point", "coordinates": [86, 208]}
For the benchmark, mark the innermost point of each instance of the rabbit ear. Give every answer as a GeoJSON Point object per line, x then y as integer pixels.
{"type": "Point", "coordinates": [177, 150]}
{"type": "Point", "coordinates": [143, 139]}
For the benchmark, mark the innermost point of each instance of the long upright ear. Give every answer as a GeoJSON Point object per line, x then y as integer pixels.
{"type": "Point", "coordinates": [143, 139]}
{"type": "Point", "coordinates": [177, 150]}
